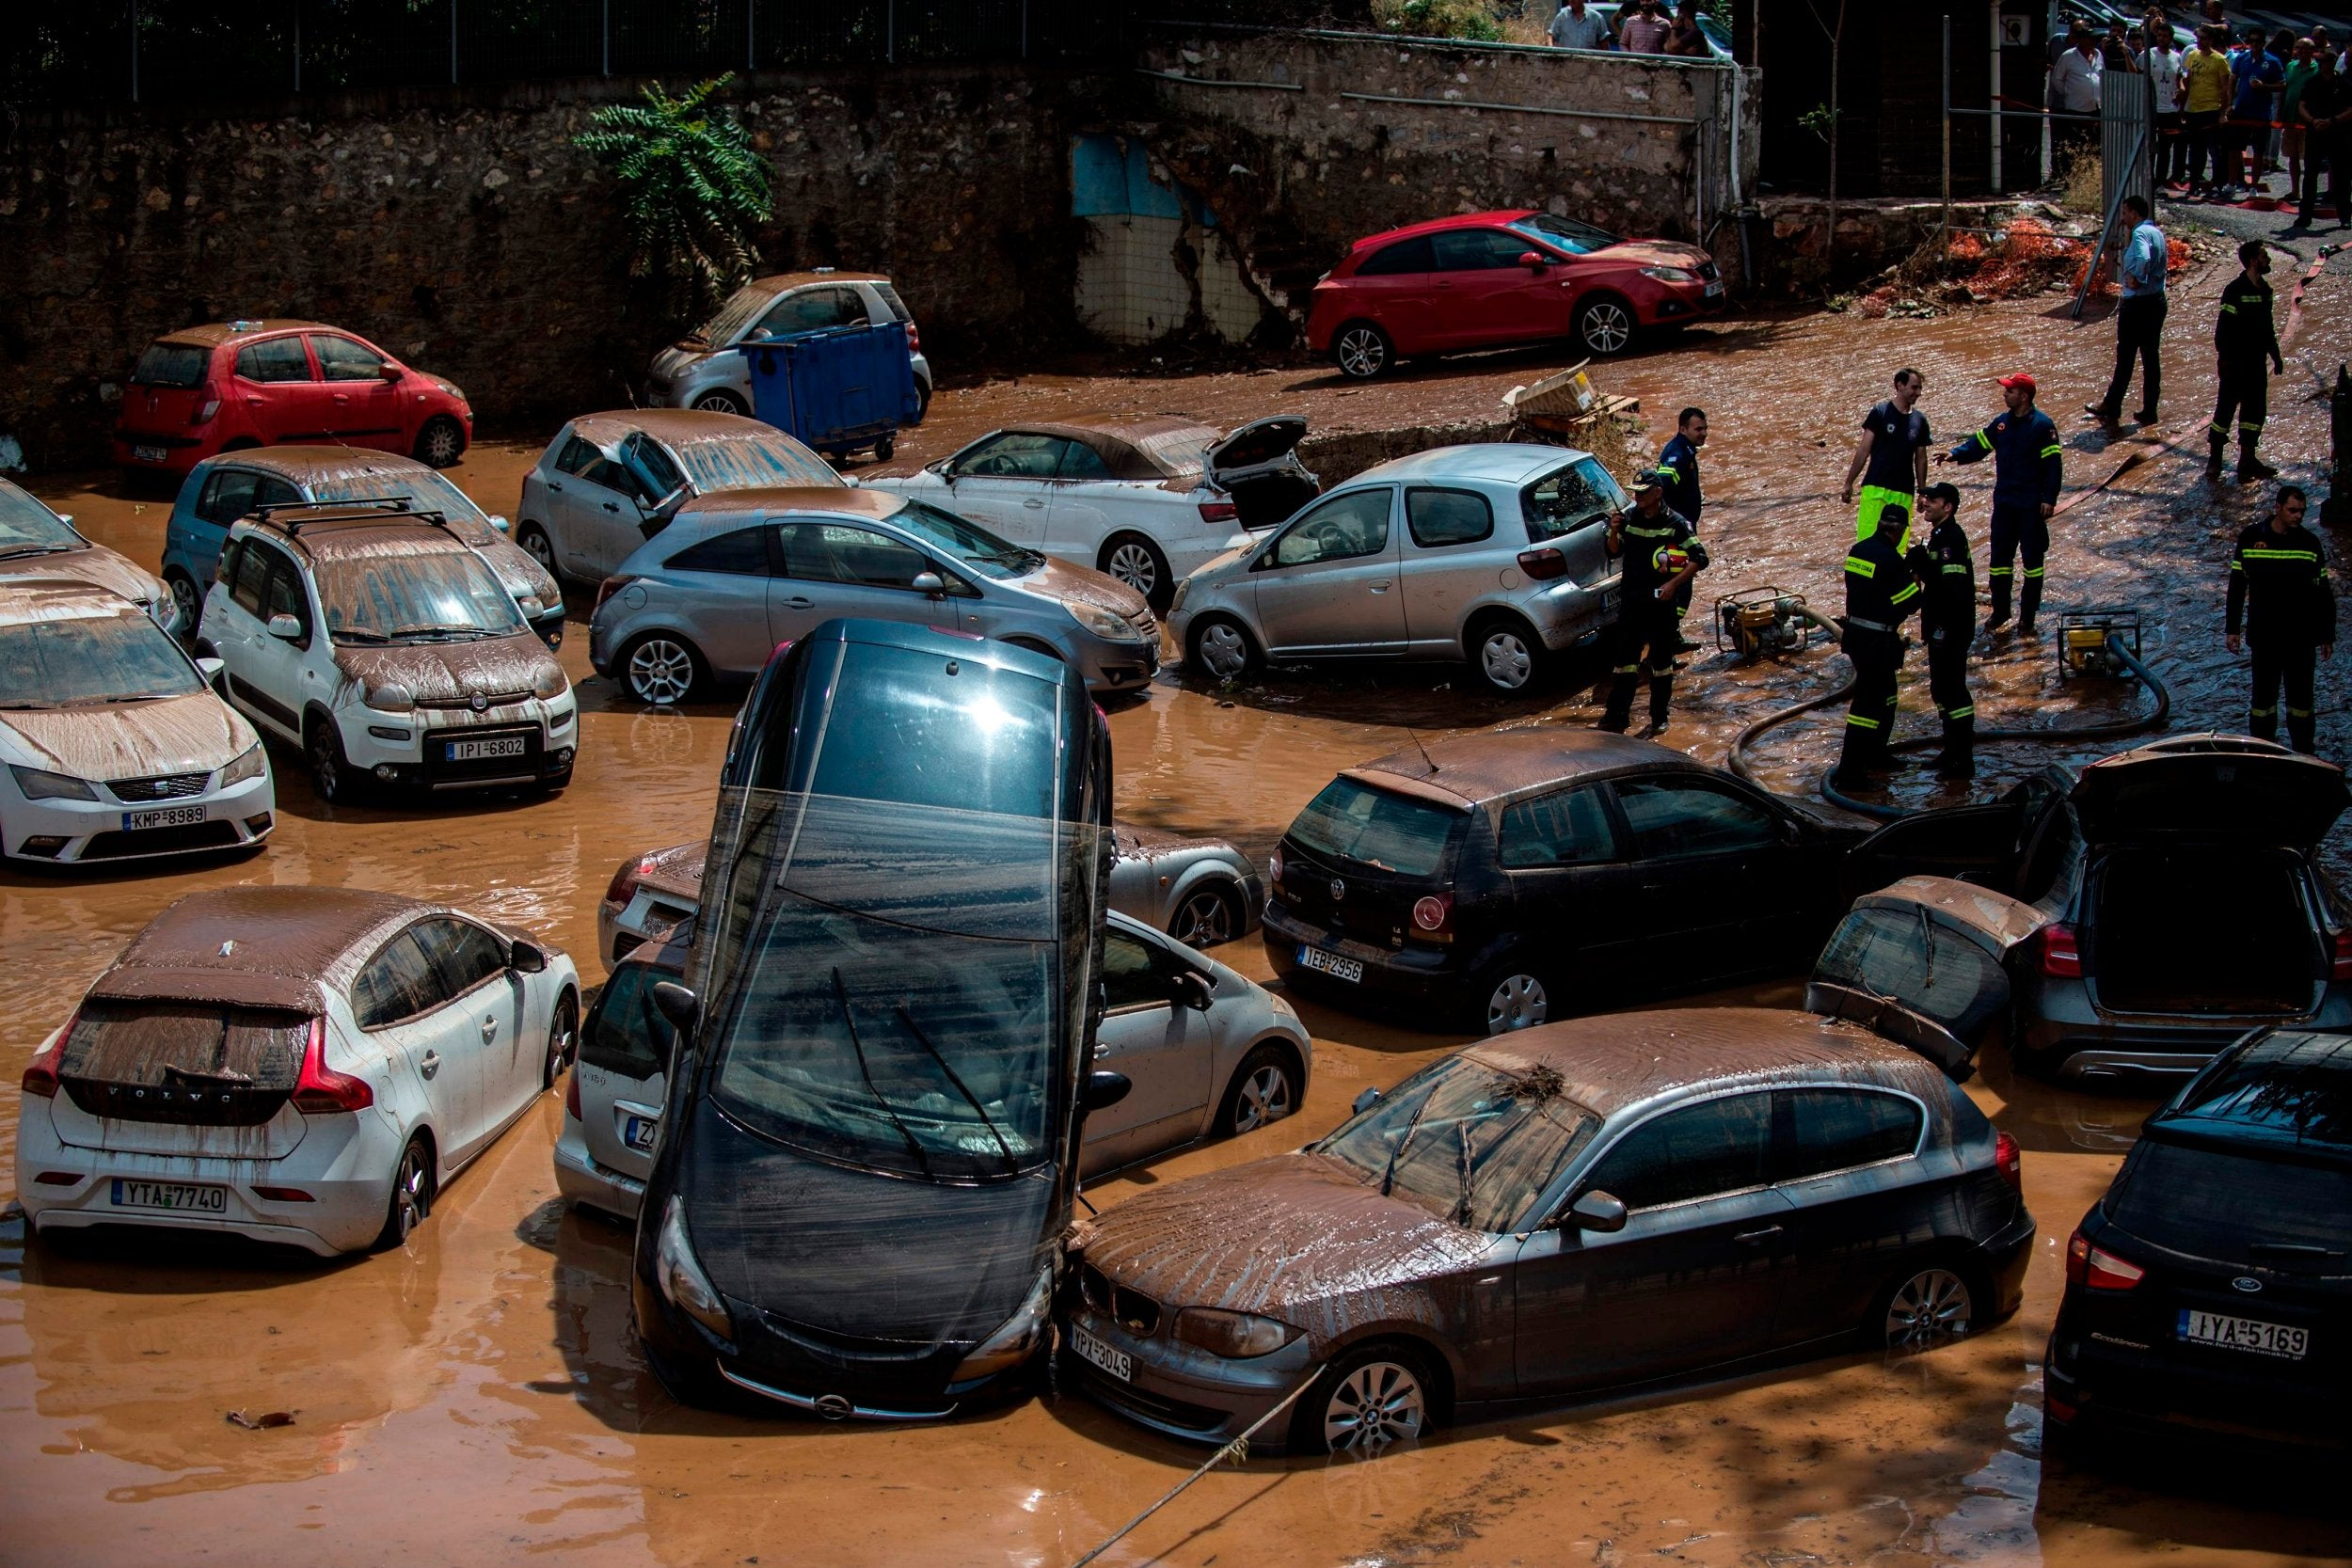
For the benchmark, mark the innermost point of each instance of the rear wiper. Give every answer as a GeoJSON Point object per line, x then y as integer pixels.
{"type": "Point", "coordinates": [841, 994]}
{"type": "Point", "coordinates": [923, 1039]}
{"type": "Point", "coordinates": [1388, 1176]}
{"type": "Point", "coordinates": [2292, 1249]}
{"type": "Point", "coordinates": [1462, 1210]}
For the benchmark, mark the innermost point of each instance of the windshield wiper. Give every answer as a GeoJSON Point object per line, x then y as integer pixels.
{"type": "Point", "coordinates": [439, 631]}
{"type": "Point", "coordinates": [1387, 1176]}
{"type": "Point", "coordinates": [1011, 1164]}
{"type": "Point", "coordinates": [144, 697]}
{"type": "Point", "coordinates": [23, 550]}
{"type": "Point", "coordinates": [358, 634]}
{"type": "Point", "coordinates": [28, 706]}
{"type": "Point", "coordinates": [1462, 1210]}
{"type": "Point", "coordinates": [841, 994]}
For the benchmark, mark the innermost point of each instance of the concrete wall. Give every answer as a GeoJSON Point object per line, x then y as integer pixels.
{"type": "Point", "coordinates": [1156, 261]}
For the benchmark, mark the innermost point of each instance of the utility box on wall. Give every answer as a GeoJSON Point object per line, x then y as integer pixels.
{"type": "Point", "coordinates": [1156, 261]}
{"type": "Point", "coordinates": [2022, 85]}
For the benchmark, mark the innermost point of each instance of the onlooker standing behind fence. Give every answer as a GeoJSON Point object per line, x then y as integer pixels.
{"type": "Point", "coordinates": [2139, 317]}
{"type": "Point", "coordinates": [1641, 30]}
{"type": "Point", "coordinates": [2162, 64]}
{"type": "Point", "coordinates": [1685, 39]}
{"type": "Point", "coordinates": [2074, 89]}
{"type": "Point", "coordinates": [2206, 72]}
{"type": "Point", "coordinates": [2259, 78]}
{"type": "Point", "coordinates": [1579, 27]}
{"type": "Point", "coordinates": [2300, 69]}
{"type": "Point", "coordinates": [2325, 111]}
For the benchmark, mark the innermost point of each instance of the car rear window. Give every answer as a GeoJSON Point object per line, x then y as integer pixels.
{"type": "Point", "coordinates": [2234, 1208]}
{"type": "Point", "coordinates": [1352, 822]}
{"type": "Point", "coordinates": [1568, 498]}
{"type": "Point", "coordinates": [171, 365]}
{"type": "Point", "coordinates": [890, 297]}
{"type": "Point", "coordinates": [627, 1034]}
{"type": "Point", "coordinates": [187, 1062]}
{"type": "Point", "coordinates": [1931, 969]}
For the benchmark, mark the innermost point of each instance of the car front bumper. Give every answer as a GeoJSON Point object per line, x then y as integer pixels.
{"type": "Point", "coordinates": [1112, 667]}
{"type": "Point", "coordinates": [74, 832]}
{"type": "Point", "coordinates": [581, 1180]}
{"type": "Point", "coordinates": [1183, 1392]}
{"type": "Point", "coordinates": [408, 750]}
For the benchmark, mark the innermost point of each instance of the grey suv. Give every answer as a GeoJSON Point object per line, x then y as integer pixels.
{"type": "Point", "coordinates": [703, 371]}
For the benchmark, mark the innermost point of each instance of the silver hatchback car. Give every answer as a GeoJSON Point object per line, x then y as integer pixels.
{"type": "Point", "coordinates": [738, 573]}
{"type": "Point", "coordinates": [1493, 554]}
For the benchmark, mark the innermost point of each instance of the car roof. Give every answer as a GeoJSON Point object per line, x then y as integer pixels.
{"type": "Point", "coordinates": [1464, 770]}
{"type": "Point", "coordinates": [679, 426]}
{"type": "Point", "coordinates": [352, 536]}
{"type": "Point", "coordinates": [28, 599]}
{"type": "Point", "coordinates": [1132, 445]}
{"type": "Point", "coordinates": [719, 506]}
{"type": "Point", "coordinates": [777, 282]}
{"type": "Point", "coordinates": [1458, 220]}
{"type": "Point", "coordinates": [257, 946]}
{"type": "Point", "coordinates": [214, 334]}
{"type": "Point", "coordinates": [1512, 462]}
{"type": "Point", "coordinates": [945, 644]}
{"type": "Point", "coordinates": [309, 465]}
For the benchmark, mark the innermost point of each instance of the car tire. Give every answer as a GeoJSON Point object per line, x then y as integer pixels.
{"type": "Point", "coordinates": [186, 600]}
{"type": "Point", "coordinates": [1222, 648]}
{"type": "Point", "coordinates": [1369, 1399]}
{"type": "Point", "coordinates": [563, 1037]}
{"type": "Point", "coordinates": [440, 443]}
{"type": "Point", "coordinates": [922, 400]}
{"type": "Point", "coordinates": [331, 776]}
{"type": "Point", "coordinates": [886, 448]}
{"type": "Point", "coordinates": [1136, 561]}
{"type": "Point", "coordinates": [1265, 1088]}
{"type": "Point", "coordinates": [1604, 325]}
{"type": "Point", "coordinates": [1512, 996]}
{"type": "Point", "coordinates": [662, 669]}
{"type": "Point", "coordinates": [1506, 654]}
{"type": "Point", "coordinates": [1210, 913]}
{"type": "Point", "coordinates": [411, 1198]}
{"type": "Point", "coordinates": [1930, 1302]}
{"type": "Point", "coordinates": [721, 402]}
{"type": "Point", "coordinates": [536, 544]}
{"type": "Point", "coordinates": [1362, 351]}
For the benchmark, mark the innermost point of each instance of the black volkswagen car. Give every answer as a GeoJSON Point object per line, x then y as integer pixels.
{"type": "Point", "coordinates": [2211, 1288]}
{"type": "Point", "coordinates": [868, 1159]}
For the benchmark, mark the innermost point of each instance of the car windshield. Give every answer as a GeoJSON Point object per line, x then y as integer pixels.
{"type": "Point", "coordinates": [444, 597]}
{"type": "Point", "coordinates": [85, 657]}
{"type": "Point", "coordinates": [736, 316]}
{"type": "Point", "coordinates": [2236, 1208]}
{"type": "Point", "coordinates": [1352, 822]}
{"type": "Point", "coordinates": [1471, 1140]}
{"type": "Point", "coordinates": [29, 528]}
{"type": "Point", "coordinates": [2305, 1100]}
{"type": "Point", "coordinates": [744, 462]}
{"type": "Point", "coordinates": [969, 542]}
{"type": "Point", "coordinates": [179, 365]}
{"type": "Point", "coordinates": [425, 490]}
{"type": "Point", "coordinates": [1569, 496]}
{"type": "Point", "coordinates": [1578, 239]}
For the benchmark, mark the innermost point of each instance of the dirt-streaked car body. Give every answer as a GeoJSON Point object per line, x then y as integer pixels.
{"type": "Point", "coordinates": [702, 371]}
{"type": "Point", "coordinates": [37, 541]}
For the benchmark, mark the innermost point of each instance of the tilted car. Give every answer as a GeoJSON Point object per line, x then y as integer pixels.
{"type": "Point", "coordinates": [703, 371]}
{"type": "Point", "coordinates": [1148, 498]}
{"type": "Point", "coordinates": [1587, 1205]}
{"type": "Point", "coordinates": [221, 491]}
{"type": "Point", "coordinates": [302, 1064]}
{"type": "Point", "coordinates": [36, 541]}
{"type": "Point", "coordinates": [1491, 554]}
{"type": "Point", "coordinates": [230, 384]}
{"type": "Point", "coordinates": [610, 482]}
{"type": "Point", "coordinates": [738, 573]}
{"type": "Point", "coordinates": [115, 745]}
{"type": "Point", "coordinates": [388, 652]}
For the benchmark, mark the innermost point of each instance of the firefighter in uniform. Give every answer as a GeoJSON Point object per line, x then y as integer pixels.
{"type": "Point", "coordinates": [1660, 554]}
{"type": "Point", "coordinates": [2026, 472]}
{"type": "Point", "coordinates": [2279, 594]}
{"type": "Point", "coordinates": [1679, 463]}
{"type": "Point", "coordinates": [2245, 350]}
{"type": "Point", "coordinates": [1880, 595]}
{"type": "Point", "coordinates": [1948, 618]}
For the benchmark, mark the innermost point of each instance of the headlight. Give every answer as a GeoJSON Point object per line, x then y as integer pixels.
{"type": "Point", "coordinates": [682, 1278]}
{"type": "Point", "coordinates": [1671, 275]}
{"type": "Point", "coordinates": [1018, 1339]}
{"type": "Point", "coordinates": [1236, 1336]}
{"type": "Point", "coordinates": [392, 699]}
{"type": "Point", "coordinates": [1103, 624]}
{"type": "Point", "coordinates": [249, 765]}
{"type": "Point", "coordinates": [551, 684]}
{"type": "Point", "coordinates": [38, 785]}
{"type": "Point", "coordinates": [450, 388]}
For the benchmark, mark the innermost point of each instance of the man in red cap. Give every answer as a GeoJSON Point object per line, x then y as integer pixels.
{"type": "Point", "coordinates": [2026, 472]}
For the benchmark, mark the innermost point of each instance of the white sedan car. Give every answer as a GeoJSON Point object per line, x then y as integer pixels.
{"type": "Point", "coordinates": [299, 1065]}
{"type": "Point", "coordinates": [1148, 498]}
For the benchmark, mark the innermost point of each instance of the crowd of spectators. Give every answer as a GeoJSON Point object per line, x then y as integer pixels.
{"type": "Point", "coordinates": [1636, 28]}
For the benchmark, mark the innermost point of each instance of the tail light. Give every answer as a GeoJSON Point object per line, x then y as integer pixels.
{"type": "Point", "coordinates": [40, 1073]}
{"type": "Point", "coordinates": [283, 1195]}
{"type": "Point", "coordinates": [1219, 512]}
{"type": "Point", "coordinates": [1544, 565]}
{"type": "Point", "coordinates": [323, 1090]}
{"type": "Point", "coordinates": [624, 884]}
{"type": "Point", "coordinates": [914, 338]}
{"type": "Point", "coordinates": [609, 587]}
{"type": "Point", "coordinates": [571, 1096]}
{"type": "Point", "coordinates": [2340, 956]}
{"type": "Point", "coordinates": [2061, 954]}
{"type": "Point", "coordinates": [2008, 1160]}
{"type": "Point", "coordinates": [204, 414]}
{"type": "Point", "coordinates": [2098, 1268]}
{"type": "Point", "coordinates": [1433, 915]}
{"type": "Point", "coordinates": [1274, 867]}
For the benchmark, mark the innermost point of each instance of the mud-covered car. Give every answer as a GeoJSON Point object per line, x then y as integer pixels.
{"type": "Point", "coordinates": [700, 371]}
{"type": "Point", "coordinates": [36, 541]}
{"type": "Point", "coordinates": [1583, 1207]}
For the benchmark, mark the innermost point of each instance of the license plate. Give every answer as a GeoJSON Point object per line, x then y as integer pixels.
{"type": "Point", "coordinates": [1115, 1362]}
{"type": "Point", "coordinates": [638, 1133]}
{"type": "Point", "coordinates": [170, 1196]}
{"type": "Point", "coordinates": [148, 454]}
{"type": "Point", "coordinates": [1329, 963]}
{"type": "Point", "coordinates": [170, 816]}
{"type": "Point", "coordinates": [474, 751]}
{"type": "Point", "coordinates": [2282, 1340]}
{"type": "Point", "coordinates": [1714, 291]}
{"type": "Point", "coordinates": [1609, 601]}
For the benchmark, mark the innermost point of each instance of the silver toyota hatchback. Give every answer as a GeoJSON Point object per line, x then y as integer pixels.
{"type": "Point", "coordinates": [1493, 554]}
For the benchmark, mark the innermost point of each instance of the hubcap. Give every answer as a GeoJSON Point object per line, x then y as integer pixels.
{"type": "Point", "coordinates": [1361, 352]}
{"type": "Point", "coordinates": [1224, 650]}
{"type": "Point", "coordinates": [1378, 1403]}
{"type": "Point", "coordinates": [1931, 1307]}
{"type": "Point", "coordinates": [184, 598]}
{"type": "Point", "coordinates": [558, 1039]}
{"type": "Point", "coordinates": [1606, 329]}
{"type": "Point", "coordinates": [441, 444]}
{"type": "Point", "coordinates": [408, 1199]}
{"type": "Point", "coordinates": [1132, 564]}
{"type": "Point", "coordinates": [1506, 660]}
{"type": "Point", "coordinates": [1265, 1096]}
{"type": "Point", "coordinates": [1517, 1002]}
{"type": "Point", "coordinates": [718, 403]}
{"type": "Point", "coordinates": [660, 672]}
{"type": "Point", "coordinates": [1203, 921]}
{"type": "Point", "coordinates": [535, 546]}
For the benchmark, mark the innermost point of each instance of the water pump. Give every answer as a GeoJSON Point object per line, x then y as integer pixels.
{"type": "Point", "coordinates": [2083, 651]}
{"type": "Point", "coordinates": [1759, 622]}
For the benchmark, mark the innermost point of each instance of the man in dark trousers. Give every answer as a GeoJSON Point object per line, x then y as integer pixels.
{"type": "Point", "coordinates": [1660, 554]}
{"type": "Point", "coordinates": [1948, 618]}
{"type": "Point", "coordinates": [2139, 317]}
{"type": "Point", "coordinates": [2279, 595]}
{"type": "Point", "coordinates": [2246, 351]}
{"type": "Point", "coordinates": [1881, 593]}
{"type": "Point", "coordinates": [1890, 456]}
{"type": "Point", "coordinates": [2027, 470]}
{"type": "Point", "coordinates": [1679, 463]}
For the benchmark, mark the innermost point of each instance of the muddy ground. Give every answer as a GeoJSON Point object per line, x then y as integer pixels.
{"type": "Point", "coordinates": [477, 1396]}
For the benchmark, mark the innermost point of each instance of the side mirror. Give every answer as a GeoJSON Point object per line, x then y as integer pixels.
{"type": "Point", "coordinates": [66, 517]}
{"type": "Point", "coordinates": [1534, 259]}
{"type": "Point", "coordinates": [1102, 1091]}
{"type": "Point", "coordinates": [527, 958]}
{"type": "Point", "coordinates": [1365, 1102]}
{"type": "Point", "coordinates": [285, 628]}
{"type": "Point", "coordinates": [930, 582]}
{"type": "Point", "coordinates": [676, 1004]}
{"type": "Point", "coordinates": [501, 524]}
{"type": "Point", "coordinates": [1190, 988]}
{"type": "Point", "coordinates": [1597, 1211]}
{"type": "Point", "coordinates": [665, 505]}
{"type": "Point", "coordinates": [391, 371]}
{"type": "Point", "coordinates": [216, 674]}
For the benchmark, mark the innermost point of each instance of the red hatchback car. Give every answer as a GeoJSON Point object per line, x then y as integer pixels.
{"type": "Point", "coordinates": [209, 389]}
{"type": "Point", "coordinates": [1492, 279]}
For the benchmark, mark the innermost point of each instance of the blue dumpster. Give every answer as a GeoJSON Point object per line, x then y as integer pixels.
{"type": "Point", "coordinates": [840, 390]}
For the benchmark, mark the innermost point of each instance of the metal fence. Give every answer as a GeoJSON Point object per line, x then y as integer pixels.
{"type": "Point", "coordinates": [196, 51]}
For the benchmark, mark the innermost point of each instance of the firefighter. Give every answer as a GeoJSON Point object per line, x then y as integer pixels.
{"type": "Point", "coordinates": [1890, 456]}
{"type": "Point", "coordinates": [1679, 463]}
{"type": "Point", "coordinates": [2279, 594]}
{"type": "Point", "coordinates": [1661, 554]}
{"type": "Point", "coordinates": [2246, 351]}
{"type": "Point", "coordinates": [1880, 595]}
{"type": "Point", "coordinates": [2026, 472]}
{"type": "Point", "coordinates": [1947, 619]}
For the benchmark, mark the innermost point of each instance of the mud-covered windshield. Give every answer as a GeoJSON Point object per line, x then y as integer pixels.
{"type": "Point", "coordinates": [27, 528]}
{"type": "Point", "coordinates": [1473, 1141]}
{"type": "Point", "coordinates": [1352, 822]}
{"type": "Point", "coordinates": [969, 542]}
{"type": "Point", "coordinates": [1569, 496]}
{"type": "Point", "coordinates": [443, 597]}
{"type": "Point", "coordinates": [747, 462]}
{"type": "Point", "coordinates": [104, 657]}
{"type": "Point", "coordinates": [425, 490]}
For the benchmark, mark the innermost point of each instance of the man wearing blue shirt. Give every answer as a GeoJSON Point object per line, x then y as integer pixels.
{"type": "Point", "coordinates": [2260, 79]}
{"type": "Point", "coordinates": [2139, 317]}
{"type": "Point", "coordinates": [2027, 470]}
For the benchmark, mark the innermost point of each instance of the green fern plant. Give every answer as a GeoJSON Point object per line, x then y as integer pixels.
{"type": "Point", "coordinates": [694, 189]}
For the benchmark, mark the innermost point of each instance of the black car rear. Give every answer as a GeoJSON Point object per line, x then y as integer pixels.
{"type": "Point", "coordinates": [2211, 1287]}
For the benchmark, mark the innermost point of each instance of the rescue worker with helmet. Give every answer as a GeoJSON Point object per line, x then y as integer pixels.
{"type": "Point", "coordinates": [1679, 464]}
{"type": "Point", "coordinates": [1881, 593]}
{"type": "Point", "coordinates": [1661, 553]}
{"type": "Point", "coordinates": [2028, 470]}
{"type": "Point", "coordinates": [1947, 619]}
{"type": "Point", "coordinates": [2246, 351]}
{"type": "Point", "coordinates": [2281, 597]}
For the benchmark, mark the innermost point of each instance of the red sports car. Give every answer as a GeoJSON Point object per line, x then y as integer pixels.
{"type": "Point", "coordinates": [1492, 279]}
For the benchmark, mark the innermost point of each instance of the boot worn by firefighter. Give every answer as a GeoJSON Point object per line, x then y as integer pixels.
{"type": "Point", "coordinates": [2217, 447]}
{"type": "Point", "coordinates": [2029, 601]}
{"type": "Point", "coordinates": [1854, 763]}
{"type": "Point", "coordinates": [1999, 618]}
{"type": "Point", "coordinates": [1958, 760]}
{"type": "Point", "coordinates": [2250, 467]}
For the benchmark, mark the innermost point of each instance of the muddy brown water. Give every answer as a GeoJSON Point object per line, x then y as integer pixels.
{"type": "Point", "coordinates": [477, 1396]}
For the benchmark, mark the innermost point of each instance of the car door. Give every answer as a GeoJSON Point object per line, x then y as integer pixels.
{"type": "Point", "coordinates": [837, 568]}
{"type": "Point", "coordinates": [264, 672]}
{"type": "Point", "coordinates": [1923, 964]}
{"type": "Point", "coordinates": [230, 493]}
{"type": "Point", "coordinates": [1448, 561]}
{"type": "Point", "coordinates": [1978, 843]}
{"type": "Point", "coordinates": [573, 494]}
{"type": "Point", "coordinates": [1846, 1158]}
{"type": "Point", "coordinates": [1692, 1280]}
{"type": "Point", "coordinates": [283, 395]}
{"type": "Point", "coordinates": [1161, 1045]}
{"type": "Point", "coordinates": [607, 503]}
{"type": "Point", "coordinates": [1568, 877]}
{"type": "Point", "coordinates": [1327, 583]}
{"type": "Point", "coordinates": [1484, 295]}
{"type": "Point", "coordinates": [723, 585]}
{"type": "Point", "coordinates": [1395, 286]}
{"type": "Point", "coordinates": [481, 1018]}
{"type": "Point", "coordinates": [624, 1046]}
{"type": "Point", "coordinates": [1005, 484]}
{"type": "Point", "coordinates": [363, 406]}
{"type": "Point", "coordinates": [1718, 878]}
{"type": "Point", "coordinates": [397, 999]}
{"type": "Point", "coordinates": [1087, 503]}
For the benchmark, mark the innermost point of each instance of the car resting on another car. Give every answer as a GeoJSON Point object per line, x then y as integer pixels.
{"type": "Point", "coordinates": [36, 541]}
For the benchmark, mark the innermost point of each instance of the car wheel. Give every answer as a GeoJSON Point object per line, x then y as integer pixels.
{"type": "Point", "coordinates": [886, 448]}
{"type": "Point", "coordinates": [1513, 998]}
{"type": "Point", "coordinates": [1362, 351]}
{"type": "Point", "coordinates": [1137, 563]}
{"type": "Point", "coordinates": [661, 669]}
{"type": "Point", "coordinates": [1223, 647]}
{"type": "Point", "coordinates": [1604, 325]}
{"type": "Point", "coordinates": [412, 1192]}
{"type": "Point", "coordinates": [1926, 1307]}
{"type": "Point", "coordinates": [1265, 1088]}
{"type": "Point", "coordinates": [440, 443]}
{"type": "Point", "coordinates": [1507, 655]}
{"type": "Point", "coordinates": [922, 400]}
{"type": "Point", "coordinates": [331, 773]}
{"type": "Point", "coordinates": [720, 403]}
{"type": "Point", "coordinates": [186, 601]}
{"type": "Point", "coordinates": [1207, 916]}
{"type": "Point", "coordinates": [1368, 1400]}
{"type": "Point", "coordinates": [536, 544]}
{"type": "Point", "coordinates": [563, 1037]}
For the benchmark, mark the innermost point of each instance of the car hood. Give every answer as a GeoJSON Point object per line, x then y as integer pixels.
{"type": "Point", "coordinates": [1058, 579]}
{"type": "Point", "coordinates": [1651, 253]}
{"type": "Point", "coordinates": [94, 565]}
{"type": "Point", "coordinates": [2211, 787]}
{"type": "Point", "coordinates": [135, 741]}
{"type": "Point", "coordinates": [497, 668]}
{"type": "Point", "coordinates": [684, 355]}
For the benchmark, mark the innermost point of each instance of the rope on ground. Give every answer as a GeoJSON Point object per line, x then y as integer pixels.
{"type": "Point", "coordinates": [1237, 1450]}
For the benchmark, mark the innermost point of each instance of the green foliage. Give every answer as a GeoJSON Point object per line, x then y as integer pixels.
{"type": "Point", "coordinates": [694, 189]}
{"type": "Point", "coordinates": [1439, 18]}
{"type": "Point", "coordinates": [1821, 119]}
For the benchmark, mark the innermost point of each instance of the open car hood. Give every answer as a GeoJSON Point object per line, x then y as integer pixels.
{"type": "Point", "coordinates": [1255, 445]}
{"type": "Point", "coordinates": [2211, 786]}
{"type": "Point", "coordinates": [1920, 964]}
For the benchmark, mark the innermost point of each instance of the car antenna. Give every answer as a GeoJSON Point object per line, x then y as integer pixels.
{"type": "Point", "coordinates": [1421, 748]}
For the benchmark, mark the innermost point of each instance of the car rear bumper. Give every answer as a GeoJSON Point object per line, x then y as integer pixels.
{"type": "Point", "coordinates": [2006, 1258]}
{"type": "Point", "coordinates": [166, 451]}
{"type": "Point", "coordinates": [1186, 1393]}
{"type": "Point", "coordinates": [581, 1180]}
{"type": "Point", "coordinates": [1413, 973]}
{"type": "Point", "coordinates": [2121, 1387]}
{"type": "Point", "coordinates": [2091, 1046]}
